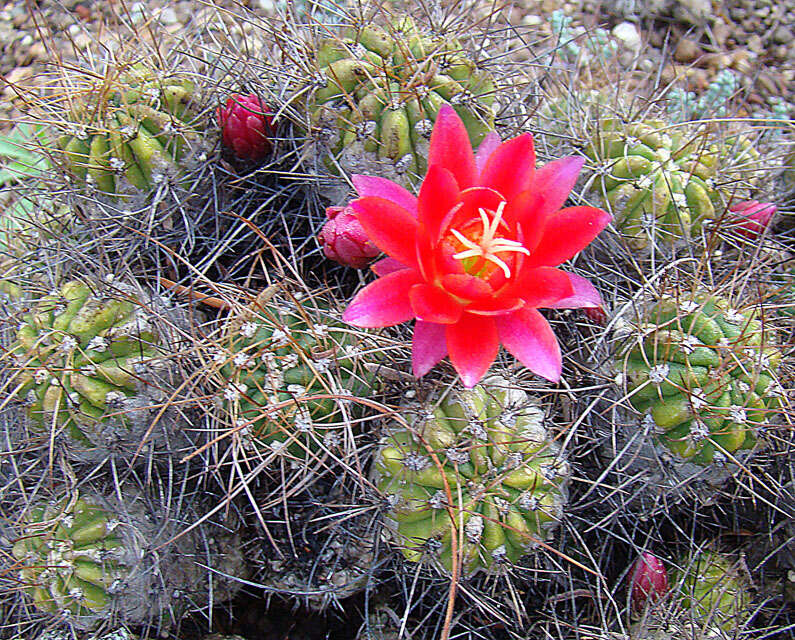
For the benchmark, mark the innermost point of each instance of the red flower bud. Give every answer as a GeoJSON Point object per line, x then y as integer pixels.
{"type": "Point", "coordinates": [246, 125]}
{"type": "Point", "coordinates": [648, 579]}
{"type": "Point", "coordinates": [596, 315]}
{"type": "Point", "coordinates": [343, 239]}
{"type": "Point", "coordinates": [752, 217]}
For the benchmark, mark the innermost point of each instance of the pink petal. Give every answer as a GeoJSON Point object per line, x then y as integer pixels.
{"type": "Point", "coordinates": [386, 266]}
{"type": "Point", "coordinates": [510, 169]}
{"type": "Point", "coordinates": [382, 188]}
{"type": "Point", "coordinates": [567, 233]}
{"type": "Point", "coordinates": [451, 149]}
{"type": "Point", "coordinates": [429, 346]}
{"type": "Point", "coordinates": [463, 285]}
{"type": "Point", "coordinates": [486, 148]}
{"type": "Point", "coordinates": [496, 306]}
{"type": "Point", "coordinates": [439, 195]}
{"type": "Point", "coordinates": [541, 286]}
{"type": "Point", "coordinates": [433, 304]}
{"type": "Point", "coordinates": [384, 302]}
{"type": "Point", "coordinates": [389, 226]}
{"type": "Point", "coordinates": [472, 344]}
{"type": "Point", "coordinates": [585, 295]}
{"type": "Point", "coordinates": [528, 336]}
{"type": "Point", "coordinates": [551, 186]}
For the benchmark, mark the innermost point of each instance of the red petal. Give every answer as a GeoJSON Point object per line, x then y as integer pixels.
{"type": "Point", "coordinates": [528, 217]}
{"type": "Point", "coordinates": [367, 186]}
{"type": "Point", "coordinates": [429, 346]}
{"type": "Point", "coordinates": [473, 199]}
{"type": "Point", "coordinates": [463, 285]}
{"type": "Point", "coordinates": [472, 344]}
{"type": "Point", "coordinates": [510, 169]}
{"type": "Point", "coordinates": [487, 147]}
{"type": "Point", "coordinates": [439, 194]}
{"type": "Point", "coordinates": [386, 266]}
{"type": "Point", "coordinates": [566, 233]}
{"type": "Point", "coordinates": [384, 302]}
{"type": "Point", "coordinates": [389, 226]}
{"type": "Point", "coordinates": [542, 286]}
{"type": "Point", "coordinates": [528, 336]}
{"type": "Point", "coordinates": [451, 149]}
{"type": "Point", "coordinates": [433, 304]}
{"type": "Point", "coordinates": [585, 295]}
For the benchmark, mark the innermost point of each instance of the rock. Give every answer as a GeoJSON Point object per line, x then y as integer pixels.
{"type": "Point", "coordinates": [755, 44]}
{"type": "Point", "coordinates": [695, 12]}
{"type": "Point", "coordinates": [687, 50]}
{"type": "Point", "coordinates": [627, 34]}
{"type": "Point", "coordinates": [168, 16]}
{"type": "Point", "coordinates": [782, 35]}
{"type": "Point", "coordinates": [721, 31]}
{"type": "Point", "coordinates": [532, 20]}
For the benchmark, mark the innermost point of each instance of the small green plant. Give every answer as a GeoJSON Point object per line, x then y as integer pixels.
{"type": "Point", "coordinates": [598, 42]}
{"type": "Point", "coordinates": [21, 153]}
{"type": "Point", "coordinates": [505, 475]}
{"type": "Point", "coordinates": [704, 374]}
{"type": "Point", "coordinates": [683, 105]}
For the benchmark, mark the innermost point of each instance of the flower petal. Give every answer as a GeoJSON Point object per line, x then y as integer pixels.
{"type": "Point", "coordinates": [367, 186]}
{"type": "Point", "coordinates": [585, 295]}
{"type": "Point", "coordinates": [530, 220]}
{"type": "Point", "coordinates": [428, 348]}
{"type": "Point", "coordinates": [541, 286]}
{"type": "Point", "coordinates": [386, 266]}
{"type": "Point", "coordinates": [439, 194]}
{"type": "Point", "coordinates": [450, 147]}
{"type": "Point", "coordinates": [528, 336]}
{"type": "Point", "coordinates": [433, 304]}
{"type": "Point", "coordinates": [463, 285]}
{"type": "Point", "coordinates": [510, 169]}
{"type": "Point", "coordinates": [389, 226]}
{"type": "Point", "coordinates": [486, 148]}
{"type": "Point", "coordinates": [566, 233]}
{"type": "Point", "coordinates": [472, 344]}
{"type": "Point", "coordinates": [384, 302]}
{"type": "Point", "coordinates": [555, 180]}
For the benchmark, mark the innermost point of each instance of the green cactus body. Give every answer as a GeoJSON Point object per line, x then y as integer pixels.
{"type": "Point", "coordinates": [82, 362]}
{"type": "Point", "coordinates": [711, 588]}
{"type": "Point", "coordinates": [128, 134]}
{"type": "Point", "coordinates": [381, 92]}
{"type": "Point", "coordinates": [658, 183]}
{"type": "Point", "coordinates": [275, 359]}
{"type": "Point", "coordinates": [704, 373]}
{"type": "Point", "coordinates": [505, 475]}
{"type": "Point", "coordinates": [70, 557]}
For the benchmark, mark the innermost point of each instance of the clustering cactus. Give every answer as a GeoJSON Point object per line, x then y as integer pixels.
{"type": "Point", "coordinates": [711, 588]}
{"type": "Point", "coordinates": [704, 374]}
{"type": "Point", "coordinates": [505, 474]}
{"type": "Point", "coordinates": [380, 90]}
{"type": "Point", "coordinates": [129, 133]}
{"type": "Point", "coordinates": [288, 372]}
{"type": "Point", "coordinates": [91, 366]}
{"type": "Point", "coordinates": [656, 180]}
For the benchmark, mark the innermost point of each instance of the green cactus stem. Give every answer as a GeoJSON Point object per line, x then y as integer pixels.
{"type": "Point", "coordinates": [506, 476]}
{"type": "Point", "coordinates": [276, 359]}
{"type": "Point", "coordinates": [381, 89]}
{"type": "Point", "coordinates": [130, 133]}
{"type": "Point", "coordinates": [704, 374]}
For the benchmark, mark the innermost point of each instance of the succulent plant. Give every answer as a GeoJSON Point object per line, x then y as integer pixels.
{"type": "Point", "coordinates": [276, 359]}
{"type": "Point", "coordinates": [506, 476]}
{"type": "Point", "coordinates": [93, 368]}
{"type": "Point", "coordinates": [380, 90]}
{"type": "Point", "coordinates": [129, 133]}
{"type": "Point", "coordinates": [704, 375]}
{"type": "Point", "coordinates": [246, 126]}
{"type": "Point", "coordinates": [87, 557]}
{"type": "Point", "coordinates": [710, 586]}
{"type": "Point", "coordinates": [656, 181]}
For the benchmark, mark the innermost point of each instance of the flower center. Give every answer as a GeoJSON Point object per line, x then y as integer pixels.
{"type": "Point", "coordinates": [489, 244]}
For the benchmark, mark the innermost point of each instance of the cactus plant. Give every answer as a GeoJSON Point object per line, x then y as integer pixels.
{"type": "Point", "coordinates": [275, 358]}
{"type": "Point", "coordinates": [91, 366]}
{"type": "Point", "coordinates": [711, 587]}
{"type": "Point", "coordinates": [381, 88]}
{"type": "Point", "coordinates": [506, 476]}
{"type": "Point", "coordinates": [704, 374]}
{"type": "Point", "coordinates": [86, 557]}
{"type": "Point", "coordinates": [128, 133]}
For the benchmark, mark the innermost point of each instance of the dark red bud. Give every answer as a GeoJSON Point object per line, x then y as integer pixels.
{"type": "Point", "coordinates": [648, 580]}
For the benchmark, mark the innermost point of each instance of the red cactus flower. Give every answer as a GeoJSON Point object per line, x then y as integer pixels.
{"type": "Point", "coordinates": [473, 257]}
{"type": "Point", "coordinates": [752, 217]}
{"type": "Point", "coordinates": [246, 126]}
{"type": "Point", "coordinates": [344, 240]}
{"type": "Point", "coordinates": [648, 580]}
